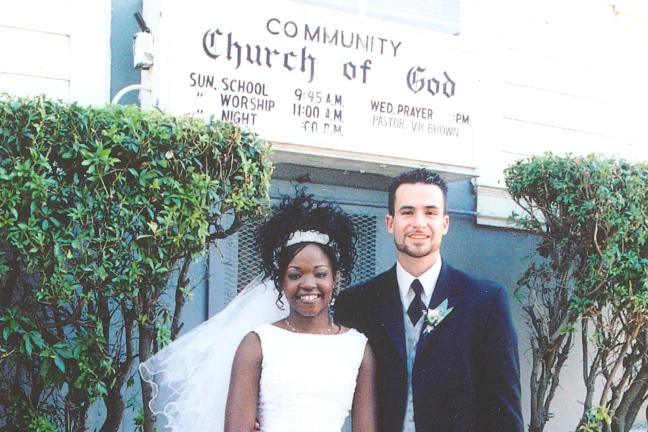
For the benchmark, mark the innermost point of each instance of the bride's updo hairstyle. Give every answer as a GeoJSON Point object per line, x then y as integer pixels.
{"type": "Point", "coordinates": [299, 221]}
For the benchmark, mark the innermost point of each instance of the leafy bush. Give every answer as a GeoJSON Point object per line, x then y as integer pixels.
{"type": "Point", "coordinates": [99, 210]}
{"type": "Point", "coordinates": [596, 419]}
{"type": "Point", "coordinates": [591, 269]}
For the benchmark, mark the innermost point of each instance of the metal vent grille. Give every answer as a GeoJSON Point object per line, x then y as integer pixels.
{"type": "Point", "coordinates": [365, 265]}
{"type": "Point", "coordinates": [249, 263]}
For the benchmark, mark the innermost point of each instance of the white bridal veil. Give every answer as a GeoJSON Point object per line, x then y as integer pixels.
{"type": "Point", "coordinates": [190, 377]}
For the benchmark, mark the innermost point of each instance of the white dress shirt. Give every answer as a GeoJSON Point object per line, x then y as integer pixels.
{"type": "Point", "coordinates": [427, 279]}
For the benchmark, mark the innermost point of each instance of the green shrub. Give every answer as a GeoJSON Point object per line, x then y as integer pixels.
{"type": "Point", "coordinates": [100, 209]}
{"type": "Point", "coordinates": [591, 269]}
{"type": "Point", "coordinates": [596, 420]}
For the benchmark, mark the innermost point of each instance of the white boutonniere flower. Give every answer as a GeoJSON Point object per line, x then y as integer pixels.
{"type": "Point", "coordinates": [433, 317]}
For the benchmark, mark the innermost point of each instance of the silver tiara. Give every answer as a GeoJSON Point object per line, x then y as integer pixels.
{"type": "Point", "coordinates": [307, 237]}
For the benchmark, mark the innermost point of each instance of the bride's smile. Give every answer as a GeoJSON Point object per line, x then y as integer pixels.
{"type": "Point", "coordinates": [309, 298]}
{"type": "Point", "coordinates": [308, 285]}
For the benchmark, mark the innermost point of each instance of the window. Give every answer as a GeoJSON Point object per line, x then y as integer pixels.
{"type": "Point", "coordinates": [436, 15]}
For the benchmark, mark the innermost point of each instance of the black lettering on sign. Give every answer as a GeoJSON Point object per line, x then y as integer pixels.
{"type": "Point", "coordinates": [241, 86]}
{"type": "Point", "coordinates": [462, 119]}
{"type": "Point", "coordinates": [256, 55]}
{"type": "Point", "coordinates": [388, 122]}
{"type": "Point", "coordinates": [246, 102]}
{"type": "Point", "coordinates": [349, 70]}
{"type": "Point", "coordinates": [335, 100]}
{"type": "Point", "coordinates": [200, 80]}
{"type": "Point", "coordinates": [417, 81]}
{"type": "Point", "coordinates": [336, 37]}
{"type": "Point", "coordinates": [414, 111]}
{"type": "Point", "coordinates": [308, 111]}
{"type": "Point", "coordinates": [442, 130]}
{"type": "Point", "coordinates": [382, 107]}
{"type": "Point", "coordinates": [323, 128]}
{"type": "Point", "coordinates": [416, 126]}
{"type": "Point", "coordinates": [239, 117]}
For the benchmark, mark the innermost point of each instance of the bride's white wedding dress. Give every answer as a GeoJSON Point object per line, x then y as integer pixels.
{"type": "Point", "coordinates": [307, 381]}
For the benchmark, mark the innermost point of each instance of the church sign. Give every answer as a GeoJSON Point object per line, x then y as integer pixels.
{"type": "Point", "coordinates": [300, 75]}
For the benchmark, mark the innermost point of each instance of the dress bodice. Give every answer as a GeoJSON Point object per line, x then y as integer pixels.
{"type": "Point", "coordinates": [307, 381]}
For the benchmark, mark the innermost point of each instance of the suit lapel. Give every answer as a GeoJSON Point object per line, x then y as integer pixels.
{"type": "Point", "coordinates": [442, 290]}
{"type": "Point", "coordinates": [391, 311]}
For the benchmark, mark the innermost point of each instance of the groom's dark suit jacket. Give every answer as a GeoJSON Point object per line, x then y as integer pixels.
{"type": "Point", "coordinates": [466, 375]}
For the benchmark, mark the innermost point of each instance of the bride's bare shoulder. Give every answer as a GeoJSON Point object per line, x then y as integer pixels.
{"type": "Point", "coordinates": [250, 346]}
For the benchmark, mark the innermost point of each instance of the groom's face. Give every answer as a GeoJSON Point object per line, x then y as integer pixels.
{"type": "Point", "coordinates": [419, 222]}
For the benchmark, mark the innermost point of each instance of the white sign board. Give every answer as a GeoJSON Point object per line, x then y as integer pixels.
{"type": "Point", "coordinates": [320, 80]}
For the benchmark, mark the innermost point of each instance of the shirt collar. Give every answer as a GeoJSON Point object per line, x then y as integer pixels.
{"type": "Point", "coordinates": [428, 279]}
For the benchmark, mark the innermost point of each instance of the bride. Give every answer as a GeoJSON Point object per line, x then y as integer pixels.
{"type": "Point", "coordinates": [294, 369]}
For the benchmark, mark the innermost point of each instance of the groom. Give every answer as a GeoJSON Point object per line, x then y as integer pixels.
{"type": "Point", "coordinates": [454, 368]}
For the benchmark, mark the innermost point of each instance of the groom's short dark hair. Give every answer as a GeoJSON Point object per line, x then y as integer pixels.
{"type": "Point", "coordinates": [419, 175]}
